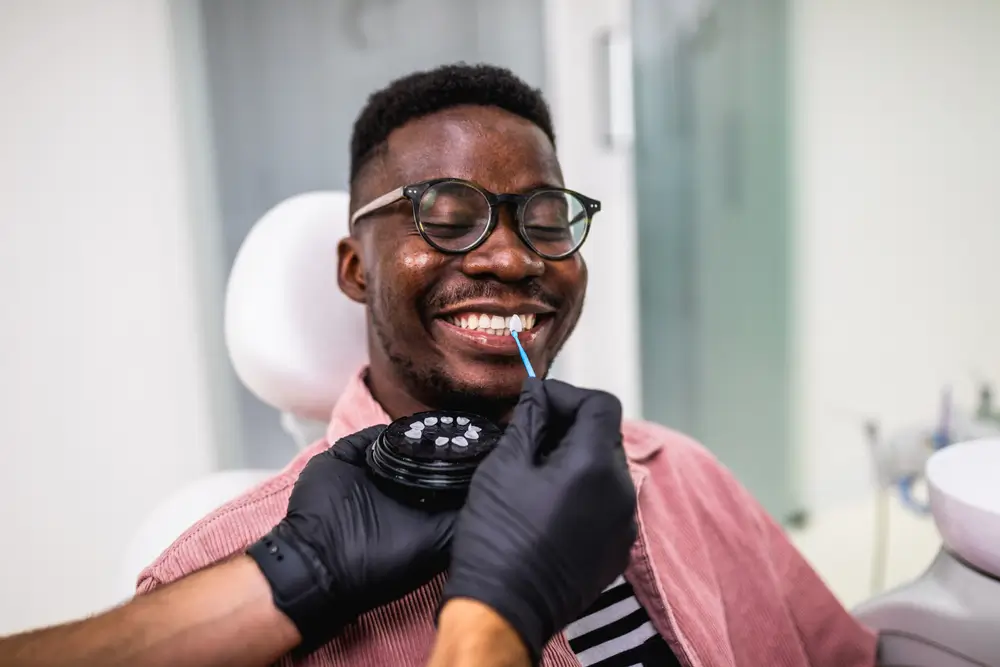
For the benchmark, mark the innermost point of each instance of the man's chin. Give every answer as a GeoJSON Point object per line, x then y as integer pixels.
{"type": "Point", "coordinates": [491, 390]}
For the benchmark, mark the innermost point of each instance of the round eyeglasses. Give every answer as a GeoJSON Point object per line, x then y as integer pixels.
{"type": "Point", "coordinates": [456, 216]}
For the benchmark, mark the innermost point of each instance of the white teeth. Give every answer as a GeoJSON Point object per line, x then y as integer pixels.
{"type": "Point", "coordinates": [491, 324]}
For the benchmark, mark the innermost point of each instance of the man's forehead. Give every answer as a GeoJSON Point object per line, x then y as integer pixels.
{"type": "Point", "coordinates": [487, 145]}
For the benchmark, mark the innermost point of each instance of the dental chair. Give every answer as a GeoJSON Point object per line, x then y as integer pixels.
{"type": "Point", "coordinates": [950, 615]}
{"type": "Point", "coordinates": [294, 341]}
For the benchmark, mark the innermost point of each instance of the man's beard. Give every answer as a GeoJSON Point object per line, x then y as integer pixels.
{"type": "Point", "coordinates": [429, 383]}
{"type": "Point", "coordinates": [432, 386]}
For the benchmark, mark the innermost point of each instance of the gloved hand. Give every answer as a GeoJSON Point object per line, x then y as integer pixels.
{"type": "Point", "coordinates": [550, 517]}
{"type": "Point", "coordinates": [345, 547]}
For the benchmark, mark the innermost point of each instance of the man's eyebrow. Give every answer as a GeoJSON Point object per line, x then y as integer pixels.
{"type": "Point", "coordinates": [541, 185]}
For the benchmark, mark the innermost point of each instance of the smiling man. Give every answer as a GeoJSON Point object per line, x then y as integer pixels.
{"type": "Point", "coordinates": [460, 220]}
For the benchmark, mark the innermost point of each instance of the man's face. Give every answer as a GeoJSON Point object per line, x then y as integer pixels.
{"type": "Point", "coordinates": [418, 298]}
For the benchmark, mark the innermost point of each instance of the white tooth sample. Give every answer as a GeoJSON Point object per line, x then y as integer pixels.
{"type": "Point", "coordinates": [441, 441]}
{"type": "Point", "coordinates": [473, 321]}
{"type": "Point", "coordinates": [506, 332]}
{"type": "Point", "coordinates": [447, 420]}
{"type": "Point", "coordinates": [506, 322]}
{"type": "Point", "coordinates": [485, 321]}
{"type": "Point", "coordinates": [497, 322]}
{"type": "Point", "coordinates": [430, 421]}
{"type": "Point", "coordinates": [472, 435]}
{"type": "Point", "coordinates": [462, 421]}
{"type": "Point", "coordinates": [417, 426]}
{"type": "Point", "coordinates": [460, 441]}
{"type": "Point", "coordinates": [462, 323]}
{"type": "Point", "coordinates": [414, 434]}
{"type": "Point", "coordinates": [515, 324]}
{"type": "Point", "coordinates": [473, 427]}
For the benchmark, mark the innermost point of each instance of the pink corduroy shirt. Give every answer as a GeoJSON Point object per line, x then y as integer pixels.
{"type": "Point", "coordinates": [717, 576]}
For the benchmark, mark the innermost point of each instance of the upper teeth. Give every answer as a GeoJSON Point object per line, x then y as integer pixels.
{"type": "Point", "coordinates": [493, 324]}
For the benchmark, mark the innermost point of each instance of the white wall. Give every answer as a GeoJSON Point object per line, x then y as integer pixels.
{"type": "Point", "coordinates": [103, 394]}
{"type": "Point", "coordinates": [898, 154]}
{"type": "Point", "coordinates": [898, 229]}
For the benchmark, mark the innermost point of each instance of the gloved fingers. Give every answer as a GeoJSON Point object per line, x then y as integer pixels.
{"type": "Point", "coordinates": [443, 524]}
{"type": "Point", "coordinates": [568, 401]}
{"type": "Point", "coordinates": [527, 427]}
{"type": "Point", "coordinates": [351, 449]}
{"type": "Point", "coordinates": [594, 432]}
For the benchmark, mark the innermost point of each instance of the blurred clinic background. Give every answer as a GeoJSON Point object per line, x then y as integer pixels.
{"type": "Point", "coordinates": [798, 260]}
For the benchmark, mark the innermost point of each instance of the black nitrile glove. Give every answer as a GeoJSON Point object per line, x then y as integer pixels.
{"type": "Point", "coordinates": [550, 518]}
{"type": "Point", "coordinates": [345, 547]}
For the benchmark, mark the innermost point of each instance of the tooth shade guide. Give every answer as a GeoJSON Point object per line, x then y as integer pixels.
{"type": "Point", "coordinates": [440, 462]}
{"type": "Point", "coordinates": [462, 435]}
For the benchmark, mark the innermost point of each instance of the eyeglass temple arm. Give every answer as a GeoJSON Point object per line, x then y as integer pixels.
{"type": "Point", "coordinates": [375, 204]}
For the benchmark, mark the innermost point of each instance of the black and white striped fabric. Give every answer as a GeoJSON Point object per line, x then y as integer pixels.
{"type": "Point", "coordinates": [616, 632]}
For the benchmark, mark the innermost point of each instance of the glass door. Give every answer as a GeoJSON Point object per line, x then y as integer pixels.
{"type": "Point", "coordinates": [711, 165]}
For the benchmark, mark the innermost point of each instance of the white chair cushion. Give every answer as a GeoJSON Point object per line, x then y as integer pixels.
{"type": "Point", "coordinates": [293, 337]}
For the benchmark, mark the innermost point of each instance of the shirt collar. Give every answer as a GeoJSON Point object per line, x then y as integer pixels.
{"type": "Point", "coordinates": [355, 409]}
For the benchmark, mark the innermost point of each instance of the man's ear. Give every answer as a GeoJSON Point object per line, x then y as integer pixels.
{"type": "Point", "coordinates": [351, 270]}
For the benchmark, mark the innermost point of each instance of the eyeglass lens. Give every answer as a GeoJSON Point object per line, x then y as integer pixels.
{"type": "Point", "coordinates": [454, 216]}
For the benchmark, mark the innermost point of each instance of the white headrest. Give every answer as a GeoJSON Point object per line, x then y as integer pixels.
{"type": "Point", "coordinates": [965, 500]}
{"type": "Point", "coordinates": [293, 337]}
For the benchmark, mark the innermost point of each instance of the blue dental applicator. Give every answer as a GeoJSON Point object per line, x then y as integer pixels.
{"type": "Point", "coordinates": [515, 328]}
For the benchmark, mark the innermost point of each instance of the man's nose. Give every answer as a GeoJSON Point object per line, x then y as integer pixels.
{"type": "Point", "coordinates": [504, 256]}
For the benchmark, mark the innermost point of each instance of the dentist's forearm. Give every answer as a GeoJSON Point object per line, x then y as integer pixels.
{"type": "Point", "coordinates": [223, 615]}
{"type": "Point", "coordinates": [471, 634]}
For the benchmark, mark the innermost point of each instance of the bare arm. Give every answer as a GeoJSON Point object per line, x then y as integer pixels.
{"type": "Point", "coordinates": [220, 616]}
{"type": "Point", "coordinates": [470, 634]}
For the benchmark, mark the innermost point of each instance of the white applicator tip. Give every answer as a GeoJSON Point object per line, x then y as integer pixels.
{"type": "Point", "coordinates": [515, 327]}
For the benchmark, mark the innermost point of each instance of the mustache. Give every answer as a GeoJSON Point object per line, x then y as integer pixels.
{"type": "Point", "coordinates": [529, 290]}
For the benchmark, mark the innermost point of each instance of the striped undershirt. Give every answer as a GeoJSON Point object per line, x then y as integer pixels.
{"type": "Point", "coordinates": [616, 632]}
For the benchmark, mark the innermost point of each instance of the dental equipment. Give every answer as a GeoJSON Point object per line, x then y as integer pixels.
{"type": "Point", "coordinates": [949, 615]}
{"type": "Point", "coordinates": [515, 328]}
{"type": "Point", "coordinates": [428, 459]}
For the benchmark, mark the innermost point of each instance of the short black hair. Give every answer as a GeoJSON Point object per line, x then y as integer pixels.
{"type": "Point", "coordinates": [423, 93]}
